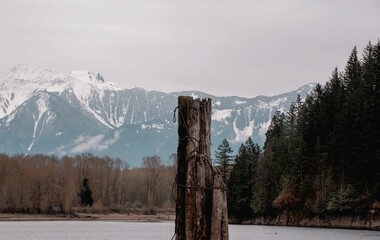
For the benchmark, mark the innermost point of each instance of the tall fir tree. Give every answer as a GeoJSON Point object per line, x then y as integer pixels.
{"type": "Point", "coordinates": [223, 159]}
{"type": "Point", "coordinates": [240, 185]}
{"type": "Point", "coordinates": [353, 121]}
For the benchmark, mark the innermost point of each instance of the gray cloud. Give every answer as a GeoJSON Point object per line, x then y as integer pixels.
{"type": "Point", "coordinates": [239, 47]}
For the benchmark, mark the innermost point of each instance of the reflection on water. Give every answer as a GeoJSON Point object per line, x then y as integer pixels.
{"type": "Point", "coordinates": [97, 230]}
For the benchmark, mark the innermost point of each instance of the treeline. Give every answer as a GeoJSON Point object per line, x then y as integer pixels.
{"type": "Point", "coordinates": [322, 157]}
{"type": "Point", "coordinates": [46, 184]}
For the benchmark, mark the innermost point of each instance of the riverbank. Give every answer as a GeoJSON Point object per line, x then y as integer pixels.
{"type": "Point", "coordinates": [87, 217]}
{"type": "Point", "coordinates": [282, 220]}
{"type": "Point", "coordinates": [346, 222]}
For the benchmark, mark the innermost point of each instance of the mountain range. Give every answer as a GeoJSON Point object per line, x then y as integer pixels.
{"type": "Point", "coordinates": [45, 111]}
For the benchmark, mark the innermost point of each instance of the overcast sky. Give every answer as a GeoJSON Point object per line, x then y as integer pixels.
{"type": "Point", "coordinates": [243, 48]}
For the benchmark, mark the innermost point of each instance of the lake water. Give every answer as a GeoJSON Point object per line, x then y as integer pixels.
{"type": "Point", "coordinates": [98, 230]}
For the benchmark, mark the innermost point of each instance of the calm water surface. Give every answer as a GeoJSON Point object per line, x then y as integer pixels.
{"type": "Point", "coordinates": [97, 230]}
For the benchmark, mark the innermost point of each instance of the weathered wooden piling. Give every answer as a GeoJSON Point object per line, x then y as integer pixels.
{"type": "Point", "coordinates": [201, 206]}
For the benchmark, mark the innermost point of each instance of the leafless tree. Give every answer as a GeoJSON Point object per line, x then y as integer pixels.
{"type": "Point", "coordinates": [152, 167]}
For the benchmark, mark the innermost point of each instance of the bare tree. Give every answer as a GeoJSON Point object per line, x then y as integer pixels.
{"type": "Point", "coordinates": [40, 183]}
{"type": "Point", "coordinates": [152, 167]}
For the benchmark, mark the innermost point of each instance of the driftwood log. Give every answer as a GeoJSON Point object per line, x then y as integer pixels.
{"type": "Point", "coordinates": [201, 204]}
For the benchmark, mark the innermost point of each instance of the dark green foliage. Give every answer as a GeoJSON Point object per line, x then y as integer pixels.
{"type": "Point", "coordinates": [223, 159]}
{"type": "Point", "coordinates": [240, 185]}
{"type": "Point", "coordinates": [266, 185]}
{"type": "Point", "coordinates": [344, 200]}
{"type": "Point", "coordinates": [268, 181]}
{"type": "Point", "coordinates": [86, 194]}
{"type": "Point", "coordinates": [323, 155]}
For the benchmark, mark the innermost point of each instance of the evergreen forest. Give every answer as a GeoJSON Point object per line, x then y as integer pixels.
{"type": "Point", "coordinates": [320, 158]}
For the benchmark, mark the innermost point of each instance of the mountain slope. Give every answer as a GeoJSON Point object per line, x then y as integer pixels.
{"type": "Point", "coordinates": [43, 111]}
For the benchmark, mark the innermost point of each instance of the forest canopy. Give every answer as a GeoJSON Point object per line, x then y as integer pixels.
{"type": "Point", "coordinates": [320, 157]}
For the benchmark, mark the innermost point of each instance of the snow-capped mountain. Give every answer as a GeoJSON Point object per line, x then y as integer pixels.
{"type": "Point", "coordinates": [44, 111]}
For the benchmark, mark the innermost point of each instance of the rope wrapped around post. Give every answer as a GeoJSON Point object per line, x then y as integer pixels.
{"type": "Point", "coordinates": [201, 207]}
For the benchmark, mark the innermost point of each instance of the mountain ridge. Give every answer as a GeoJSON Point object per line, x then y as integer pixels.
{"type": "Point", "coordinates": [67, 114]}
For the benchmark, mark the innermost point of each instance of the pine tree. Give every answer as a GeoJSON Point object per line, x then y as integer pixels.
{"type": "Point", "coordinates": [223, 159]}
{"type": "Point", "coordinates": [266, 186]}
{"type": "Point", "coordinates": [375, 113]}
{"type": "Point", "coordinates": [277, 146]}
{"type": "Point", "coordinates": [333, 104]}
{"type": "Point", "coordinates": [353, 121]}
{"type": "Point", "coordinates": [370, 117]}
{"type": "Point", "coordinates": [352, 73]}
{"type": "Point", "coordinates": [240, 188]}
{"type": "Point", "coordinates": [86, 194]}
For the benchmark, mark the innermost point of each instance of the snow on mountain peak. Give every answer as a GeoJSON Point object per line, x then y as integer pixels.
{"type": "Point", "coordinates": [93, 78]}
{"type": "Point", "coordinates": [84, 75]}
{"type": "Point", "coordinates": [40, 77]}
{"type": "Point", "coordinates": [23, 81]}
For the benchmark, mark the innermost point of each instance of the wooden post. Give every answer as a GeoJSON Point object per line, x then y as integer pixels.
{"type": "Point", "coordinates": [201, 207]}
{"type": "Point", "coordinates": [219, 220]}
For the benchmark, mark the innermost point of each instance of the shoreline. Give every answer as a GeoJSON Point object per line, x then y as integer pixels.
{"type": "Point", "coordinates": [86, 217]}
{"type": "Point", "coordinates": [352, 223]}
{"type": "Point", "coordinates": [338, 222]}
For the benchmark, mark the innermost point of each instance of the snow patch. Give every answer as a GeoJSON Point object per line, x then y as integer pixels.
{"type": "Point", "coordinates": [244, 134]}
{"type": "Point", "coordinates": [31, 145]}
{"type": "Point", "coordinates": [237, 102]}
{"type": "Point", "coordinates": [11, 117]}
{"type": "Point", "coordinates": [220, 115]}
{"type": "Point", "coordinates": [261, 104]}
{"type": "Point", "coordinates": [154, 125]}
{"type": "Point", "coordinates": [277, 102]}
{"type": "Point", "coordinates": [97, 116]}
{"type": "Point", "coordinates": [194, 96]}
{"type": "Point", "coordinates": [264, 128]}
{"type": "Point", "coordinates": [42, 108]}
{"type": "Point", "coordinates": [158, 126]}
{"type": "Point", "coordinates": [43, 118]}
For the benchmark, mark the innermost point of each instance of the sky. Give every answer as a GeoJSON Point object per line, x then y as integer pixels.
{"type": "Point", "coordinates": [241, 48]}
